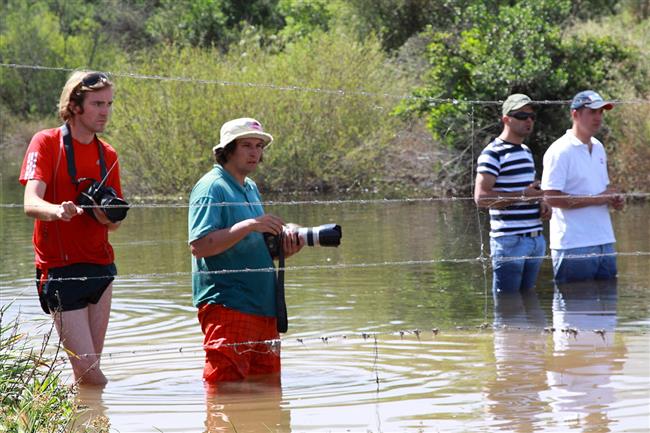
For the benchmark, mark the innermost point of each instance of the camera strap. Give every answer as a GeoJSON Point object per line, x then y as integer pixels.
{"type": "Point", "coordinates": [280, 301]}
{"type": "Point", "coordinates": [69, 153]}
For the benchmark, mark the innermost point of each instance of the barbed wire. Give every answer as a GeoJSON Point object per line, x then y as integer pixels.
{"type": "Point", "coordinates": [372, 337]}
{"type": "Point", "coordinates": [483, 259]}
{"type": "Point", "coordinates": [293, 88]}
{"type": "Point", "coordinates": [482, 256]}
{"type": "Point", "coordinates": [274, 344]}
{"type": "Point", "coordinates": [318, 202]}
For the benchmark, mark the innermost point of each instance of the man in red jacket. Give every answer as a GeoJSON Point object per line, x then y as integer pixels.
{"type": "Point", "coordinates": [74, 260]}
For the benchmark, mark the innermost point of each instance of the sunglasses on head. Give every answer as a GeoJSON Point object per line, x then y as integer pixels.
{"type": "Point", "coordinates": [93, 79]}
{"type": "Point", "coordinates": [523, 115]}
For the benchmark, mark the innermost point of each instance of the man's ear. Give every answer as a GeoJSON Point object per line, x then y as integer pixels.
{"type": "Point", "coordinates": [75, 108]}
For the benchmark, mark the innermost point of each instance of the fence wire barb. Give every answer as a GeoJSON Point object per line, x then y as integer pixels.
{"type": "Point", "coordinates": [372, 337]}
{"type": "Point", "coordinates": [294, 88]}
{"type": "Point", "coordinates": [367, 337]}
{"type": "Point", "coordinates": [480, 259]}
{"type": "Point", "coordinates": [387, 201]}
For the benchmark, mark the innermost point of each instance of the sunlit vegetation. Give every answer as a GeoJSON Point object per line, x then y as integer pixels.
{"type": "Point", "coordinates": [279, 60]}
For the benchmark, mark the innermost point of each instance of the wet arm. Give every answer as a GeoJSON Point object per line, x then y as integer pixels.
{"type": "Point", "coordinates": [563, 200]}
{"type": "Point", "coordinates": [218, 241]}
{"type": "Point", "coordinates": [486, 196]}
{"type": "Point", "coordinates": [36, 207]}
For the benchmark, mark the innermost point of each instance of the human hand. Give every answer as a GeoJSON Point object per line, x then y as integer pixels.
{"type": "Point", "coordinates": [533, 190]}
{"type": "Point", "coordinates": [67, 210]}
{"type": "Point", "coordinates": [291, 242]}
{"type": "Point", "coordinates": [268, 223]}
{"type": "Point", "coordinates": [615, 198]}
{"type": "Point", "coordinates": [545, 211]}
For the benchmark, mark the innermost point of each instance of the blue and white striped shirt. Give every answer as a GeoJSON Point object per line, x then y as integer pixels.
{"type": "Point", "coordinates": [514, 169]}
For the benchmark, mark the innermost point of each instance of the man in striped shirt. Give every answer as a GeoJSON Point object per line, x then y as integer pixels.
{"type": "Point", "coordinates": [505, 183]}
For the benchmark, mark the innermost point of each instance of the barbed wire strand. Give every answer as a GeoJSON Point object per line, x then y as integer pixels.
{"type": "Point", "coordinates": [293, 88]}
{"type": "Point", "coordinates": [373, 337]}
{"type": "Point", "coordinates": [482, 258]}
{"type": "Point", "coordinates": [386, 201]}
{"type": "Point", "coordinates": [479, 259]}
{"type": "Point", "coordinates": [340, 92]}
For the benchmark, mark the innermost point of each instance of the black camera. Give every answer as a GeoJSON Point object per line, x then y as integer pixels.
{"type": "Point", "coordinates": [326, 235]}
{"type": "Point", "coordinates": [106, 198]}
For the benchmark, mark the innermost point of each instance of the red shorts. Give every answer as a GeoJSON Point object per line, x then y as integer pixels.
{"type": "Point", "coordinates": [223, 326]}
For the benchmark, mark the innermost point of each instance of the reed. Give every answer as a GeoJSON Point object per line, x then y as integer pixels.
{"type": "Point", "coordinates": [33, 399]}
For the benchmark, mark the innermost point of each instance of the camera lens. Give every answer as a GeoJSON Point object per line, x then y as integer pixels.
{"type": "Point", "coordinates": [114, 208]}
{"type": "Point", "coordinates": [326, 235]}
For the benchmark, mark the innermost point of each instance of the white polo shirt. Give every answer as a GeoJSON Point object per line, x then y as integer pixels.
{"type": "Point", "coordinates": [570, 168]}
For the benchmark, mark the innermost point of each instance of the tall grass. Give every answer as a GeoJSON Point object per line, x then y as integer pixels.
{"type": "Point", "coordinates": [32, 397]}
{"type": "Point", "coordinates": [165, 130]}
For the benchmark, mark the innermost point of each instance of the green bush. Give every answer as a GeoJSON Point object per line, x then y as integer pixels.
{"type": "Point", "coordinates": [211, 23]}
{"type": "Point", "coordinates": [35, 34]}
{"type": "Point", "coordinates": [165, 129]}
{"type": "Point", "coordinates": [521, 48]}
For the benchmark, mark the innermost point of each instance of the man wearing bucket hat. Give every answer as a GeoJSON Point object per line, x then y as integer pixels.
{"type": "Point", "coordinates": [576, 185]}
{"type": "Point", "coordinates": [226, 224]}
{"type": "Point", "coordinates": [505, 183]}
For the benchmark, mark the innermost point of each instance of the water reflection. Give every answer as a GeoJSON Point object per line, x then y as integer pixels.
{"type": "Point", "coordinates": [228, 406]}
{"type": "Point", "coordinates": [519, 352]}
{"type": "Point", "coordinates": [568, 384]}
{"type": "Point", "coordinates": [92, 408]}
{"type": "Point", "coordinates": [585, 355]}
{"type": "Point", "coordinates": [455, 381]}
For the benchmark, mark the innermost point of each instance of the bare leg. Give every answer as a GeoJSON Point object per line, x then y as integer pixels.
{"type": "Point", "coordinates": [98, 315]}
{"type": "Point", "coordinates": [82, 333]}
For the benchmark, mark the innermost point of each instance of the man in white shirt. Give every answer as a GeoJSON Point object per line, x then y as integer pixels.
{"type": "Point", "coordinates": [576, 185]}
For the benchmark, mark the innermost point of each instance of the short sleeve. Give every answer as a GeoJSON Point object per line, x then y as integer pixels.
{"type": "Point", "coordinates": [39, 160]}
{"type": "Point", "coordinates": [205, 216]}
{"type": "Point", "coordinates": [489, 162]}
{"type": "Point", "coordinates": [554, 174]}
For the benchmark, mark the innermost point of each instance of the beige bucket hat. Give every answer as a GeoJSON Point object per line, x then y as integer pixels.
{"type": "Point", "coordinates": [242, 128]}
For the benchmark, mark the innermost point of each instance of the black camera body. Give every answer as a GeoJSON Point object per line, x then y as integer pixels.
{"type": "Point", "coordinates": [326, 235]}
{"type": "Point", "coordinates": [106, 198]}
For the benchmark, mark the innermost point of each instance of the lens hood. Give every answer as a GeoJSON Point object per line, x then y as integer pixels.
{"type": "Point", "coordinates": [106, 198]}
{"type": "Point", "coordinates": [326, 235]}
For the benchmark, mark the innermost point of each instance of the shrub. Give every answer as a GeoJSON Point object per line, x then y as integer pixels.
{"type": "Point", "coordinates": [520, 48]}
{"type": "Point", "coordinates": [34, 34]}
{"type": "Point", "coordinates": [165, 129]}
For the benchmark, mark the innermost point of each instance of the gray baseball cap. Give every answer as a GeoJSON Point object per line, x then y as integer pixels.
{"type": "Point", "coordinates": [515, 102]}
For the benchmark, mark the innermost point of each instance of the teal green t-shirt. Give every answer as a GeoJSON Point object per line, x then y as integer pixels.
{"type": "Point", "coordinates": [218, 201]}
